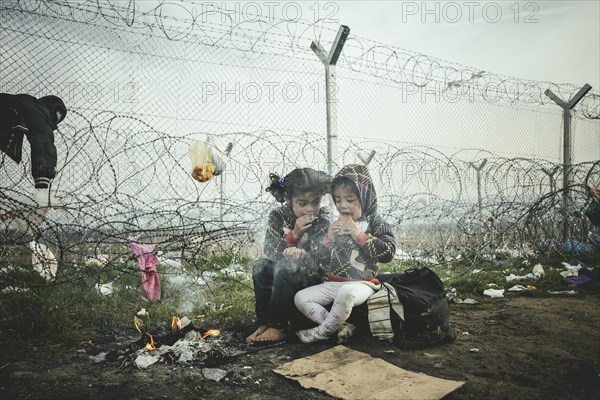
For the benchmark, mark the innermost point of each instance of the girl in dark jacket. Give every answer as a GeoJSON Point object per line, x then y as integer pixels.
{"type": "Point", "coordinates": [291, 260]}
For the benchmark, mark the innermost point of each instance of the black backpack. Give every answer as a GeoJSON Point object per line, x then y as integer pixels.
{"type": "Point", "coordinates": [424, 305]}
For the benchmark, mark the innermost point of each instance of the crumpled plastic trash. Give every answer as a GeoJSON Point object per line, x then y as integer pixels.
{"type": "Point", "coordinates": [465, 301]}
{"type": "Point", "coordinates": [538, 269]}
{"type": "Point", "coordinates": [105, 289]}
{"type": "Point", "coordinates": [27, 212]}
{"type": "Point", "coordinates": [513, 277]}
{"type": "Point", "coordinates": [43, 260]}
{"type": "Point", "coordinates": [146, 359]}
{"type": "Point", "coordinates": [517, 288]}
{"type": "Point", "coordinates": [571, 270]}
{"type": "Point", "coordinates": [147, 261]}
{"type": "Point", "coordinates": [214, 374]}
{"type": "Point", "coordinates": [98, 358]}
{"type": "Point", "coordinates": [494, 293]}
{"type": "Point", "coordinates": [584, 277]}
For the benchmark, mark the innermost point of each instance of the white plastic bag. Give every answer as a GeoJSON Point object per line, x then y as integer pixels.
{"type": "Point", "coordinates": [205, 162]}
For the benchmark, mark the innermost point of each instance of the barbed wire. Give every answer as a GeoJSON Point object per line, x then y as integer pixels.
{"type": "Point", "coordinates": [289, 38]}
{"type": "Point", "coordinates": [123, 163]}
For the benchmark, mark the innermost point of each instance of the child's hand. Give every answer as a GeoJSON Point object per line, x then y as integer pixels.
{"type": "Point", "coordinates": [345, 226]}
{"type": "Point", "coordinates": [294, 253]}
{"type": "Point", "coordinates": [302, 224]}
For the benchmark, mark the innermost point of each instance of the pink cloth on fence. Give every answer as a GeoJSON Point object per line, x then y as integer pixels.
{"type": "Point", "coordinates": [147, 261]}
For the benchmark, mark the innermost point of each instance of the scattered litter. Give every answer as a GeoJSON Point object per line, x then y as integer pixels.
{"type": "Point", "coordinates": [466, 334]}
{"type": "Point", "coordinates": [235, 271]}
{"type": "Point", "coordinates": [185, 349]}
{"type": "Point", "coordinates": [571, 270]}
{"type": "Point", "coordinates": [538, 269]}
{"type": "Point", "coordinates": [214, 374]}
{"type": "Point", "coordinates": [185, 321]}
{"type": "Point", "coordinates": [97, 262]}
{"type": "Point", "coordinates": [14, 289]}
{"type": "Point", "coordinates": [494, 293]}
{"type": "Point", "coordinates": [531, 287]}
{"type": "Point", "coordinates": [142, 312]}
{"type": "Point", "coordinates": [246, 367]}
{"type": "Point", "coordinates": [451, 294]}
{"type": "Point", "coordinates": [474, 350]}
{"type": "Point", "coordinates": [513, 277]}
{"type": "Point", "coordinates": [562, 292]}
{"type": "Point", "coordinates": [27, 212]}
{"type": "Point", "coordinates": [517, 288]}
{"type": "Point", "coordinates": [100, 357]}
{"type": "Point", "coordinates": [401, 255]}
{"type": "Point", "coordinates": [466, 301]}
{"type": "Point", "coordinates": [105, 289]}
{"type": "Point", "coordinates": [43, 260]}
{"type": "Point", "coordinates": [476, 271]}
{"type": "Point", "coordinates": [171, 263]}
{"type": "Point", "coordinates": [584, 277]}
{"type": "Point", "coordinates": [146, 359]}
{"type": "Point", "coordinates": [389, 351]}
{"type": "Point", "coordinates": [491, 285]}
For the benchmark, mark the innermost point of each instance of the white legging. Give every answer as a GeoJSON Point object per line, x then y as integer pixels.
{"type": "Point", "coordinates": [343, 295]}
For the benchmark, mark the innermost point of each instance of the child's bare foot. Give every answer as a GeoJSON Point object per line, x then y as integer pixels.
{"type": "Point", "coordinates": [257, 332]}
{"type": "Point", "coordinates": [271, 335]}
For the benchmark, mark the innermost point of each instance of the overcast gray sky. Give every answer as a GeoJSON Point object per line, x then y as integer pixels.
{"type": "Point", "coordinates": [557, 41]}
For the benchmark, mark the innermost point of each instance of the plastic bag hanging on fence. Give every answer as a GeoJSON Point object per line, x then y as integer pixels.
{"type": "Point", "coordinates": [205, 162]}
{"type": "Point", "coordinates": [26, 211]}
{"type": "Point", "coordinates": [146, 260]}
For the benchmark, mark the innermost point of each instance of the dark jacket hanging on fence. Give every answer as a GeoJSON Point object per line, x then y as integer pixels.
{"type": "Point", "coordinates": [23, 114]}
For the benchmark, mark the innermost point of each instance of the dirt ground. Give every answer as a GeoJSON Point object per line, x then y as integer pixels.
{"type": "Point", "coordinates": [529, 348]}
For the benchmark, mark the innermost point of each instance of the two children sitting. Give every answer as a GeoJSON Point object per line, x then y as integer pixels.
{"type": "Point", "coordinates": [315, 263]}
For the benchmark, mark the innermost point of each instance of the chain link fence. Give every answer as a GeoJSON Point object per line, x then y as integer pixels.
{"type": "Point", "coordinates": [465, 160]}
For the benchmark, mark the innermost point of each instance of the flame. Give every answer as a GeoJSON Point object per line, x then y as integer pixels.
{"type": "Point", "coordinates": [211, 332]}
{"type": "Point", "coordinates": [152, 345]}
{"type": "Point", "coordinates": [137, 322]}
{"type": "Point", "coordinates": [175, 324]}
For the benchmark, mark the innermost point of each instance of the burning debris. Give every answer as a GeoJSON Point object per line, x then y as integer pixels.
{"type": "Point", "coordinates": [185, 344]}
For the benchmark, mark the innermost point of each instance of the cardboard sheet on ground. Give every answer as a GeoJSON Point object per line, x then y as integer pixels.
{"type": "Point", "coordinates": [350, 374]}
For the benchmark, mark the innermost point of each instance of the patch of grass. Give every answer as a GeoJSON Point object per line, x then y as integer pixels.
{"type": "Point", "coordinates": [471, 274]}
{"type": "Point", "coordinates": [72, 308]}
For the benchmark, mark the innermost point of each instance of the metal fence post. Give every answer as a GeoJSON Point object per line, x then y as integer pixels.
{"type": "Point", "coordinates": [329, 60]}
{"type": "Point", "coordinates": [567, 107]}
{"type": "Point", "coordinates": [478, 169]}
{"type": "Point", "coordinates": [551, 176]}
{"type": "Point", "coordinates": [221, 182]}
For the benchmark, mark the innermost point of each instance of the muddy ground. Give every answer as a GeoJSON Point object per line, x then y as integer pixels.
{"type": "Point", "coordinates": [529, 348]}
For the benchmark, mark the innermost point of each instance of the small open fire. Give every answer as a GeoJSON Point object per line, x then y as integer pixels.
{"type": "Point", "coordinates": [178, 331]}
